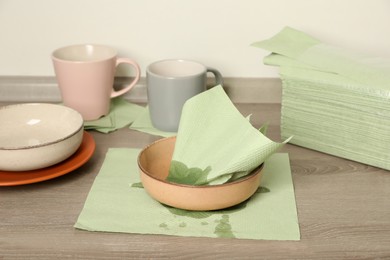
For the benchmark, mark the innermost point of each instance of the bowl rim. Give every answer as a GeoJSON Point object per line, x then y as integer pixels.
{"type": "Point", "coordinates": [26, 147]}
{"type": "Point", "coordinates": [253, 173]}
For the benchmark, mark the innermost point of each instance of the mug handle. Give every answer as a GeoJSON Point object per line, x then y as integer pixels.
{"type": "Point", "coordinates": [217, 75]}
{"type": "Point", "coordinates": [132, 84]}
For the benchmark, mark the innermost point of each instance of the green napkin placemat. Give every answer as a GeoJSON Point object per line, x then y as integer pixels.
{"type": "Point", "coordinates": [113, 206]}
{"type": "Point", "coordinates": [144, 124]}
{"type": "Point", "coordinates": [122, 113]}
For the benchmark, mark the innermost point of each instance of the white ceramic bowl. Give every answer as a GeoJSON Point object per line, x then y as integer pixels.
{"type": "Point", "coordinates": [35, 136]}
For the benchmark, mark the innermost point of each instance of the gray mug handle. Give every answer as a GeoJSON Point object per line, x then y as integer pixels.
{"type": "Point", "coordinates": [217, 75]}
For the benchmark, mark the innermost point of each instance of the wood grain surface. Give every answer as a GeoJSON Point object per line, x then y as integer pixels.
{"type": "Point", "coordinates": [343, 210]}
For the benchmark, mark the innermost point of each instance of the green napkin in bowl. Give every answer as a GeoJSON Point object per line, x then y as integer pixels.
{"type": "Point", "coordinates": [122, 113]}
{"type": "Point", "coordinates": [215, 143]}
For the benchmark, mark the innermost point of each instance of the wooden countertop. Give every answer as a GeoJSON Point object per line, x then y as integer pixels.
{"type": "Point", "coordinates": [343, 210]}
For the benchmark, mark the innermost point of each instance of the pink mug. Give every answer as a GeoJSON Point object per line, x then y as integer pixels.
{"type": "Point", "coordinates": [85, 75]}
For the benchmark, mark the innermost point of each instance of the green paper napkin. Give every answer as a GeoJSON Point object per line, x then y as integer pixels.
{"type": "Point", "coordinates": [101, 123]}
{"type": "Point", "coordinates": [122, 113]}
{"type": "Point", "coordinates": [288, 42]}
{"type": "Point", "coordinates": [215, 143]}
{"type": "Point", "coordinates": [112, 206]}
{"type": "Point", "coordinates": [310, 52]}
{"type": "Point", "coordinates": [144, 124]}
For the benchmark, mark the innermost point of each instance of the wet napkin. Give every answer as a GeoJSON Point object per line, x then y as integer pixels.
{"type": "Point", "coordinates": [215, 143]}
{"type": "Point", "coordinates": [122, 113]}
{"type": "Point", "coordinates": [270, 214]}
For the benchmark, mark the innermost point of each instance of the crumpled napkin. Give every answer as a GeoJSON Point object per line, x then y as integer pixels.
{"type": "Point", "coordinates": [122, 113]}
{"type": "Point", "coordinates": [293, 48]}
{"type": "Point", "coordinates": [215, 143]}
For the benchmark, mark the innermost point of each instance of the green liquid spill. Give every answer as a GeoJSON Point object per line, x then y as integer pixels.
{"type": "Point", "coordinates": [223, 229]}
{"type": "Point", "coordinates": [182, 224]}
{"type": "Point", "coordinates": [163, 225]}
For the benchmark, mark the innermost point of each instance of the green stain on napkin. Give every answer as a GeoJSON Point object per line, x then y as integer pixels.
{"type": "Point", "coordinates": [215, 143]}
{"type": "Point", "coordinates": [224, 229]}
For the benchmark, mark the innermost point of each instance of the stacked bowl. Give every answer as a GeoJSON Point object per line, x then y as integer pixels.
{"type": "Point", "coordinates": [36, 135]}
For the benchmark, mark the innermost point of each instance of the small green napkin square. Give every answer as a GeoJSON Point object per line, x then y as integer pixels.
{"type": "Point", "coordinates": [113, 206]}
{"type": "Point", "coordinates": [215, 143]}
{"type": "Point", "coordinates": [144, 124]}
{"type": "Point", "coordinates": [122, 113]}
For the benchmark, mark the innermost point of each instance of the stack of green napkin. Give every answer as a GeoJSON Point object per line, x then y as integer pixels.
{"type": "Point", "coordinates": [122, 113]}
{"type": "Point", "coordinates": [334, 100]}
{"type": "Point", "coordinates": [215, 143]}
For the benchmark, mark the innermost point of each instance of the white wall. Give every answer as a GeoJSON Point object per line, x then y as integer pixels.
{"type": "Point", "coordinates": [215, 32]}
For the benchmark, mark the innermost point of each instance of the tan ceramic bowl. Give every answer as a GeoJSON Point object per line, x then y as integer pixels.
{"type": "Point", "coordinates": [35, 136]}
{"type": "Point", "coordinates": [154, 162]}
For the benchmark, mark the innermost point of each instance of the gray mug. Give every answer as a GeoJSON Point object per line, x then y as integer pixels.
{"type": "Point", "coordinates": [170, 83]}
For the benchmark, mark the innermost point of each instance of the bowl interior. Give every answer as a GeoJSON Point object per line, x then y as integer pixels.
{"type": "Point", "coordinates": [30, 125]}
{"type": "Point", "coordinates": [155, 159]}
